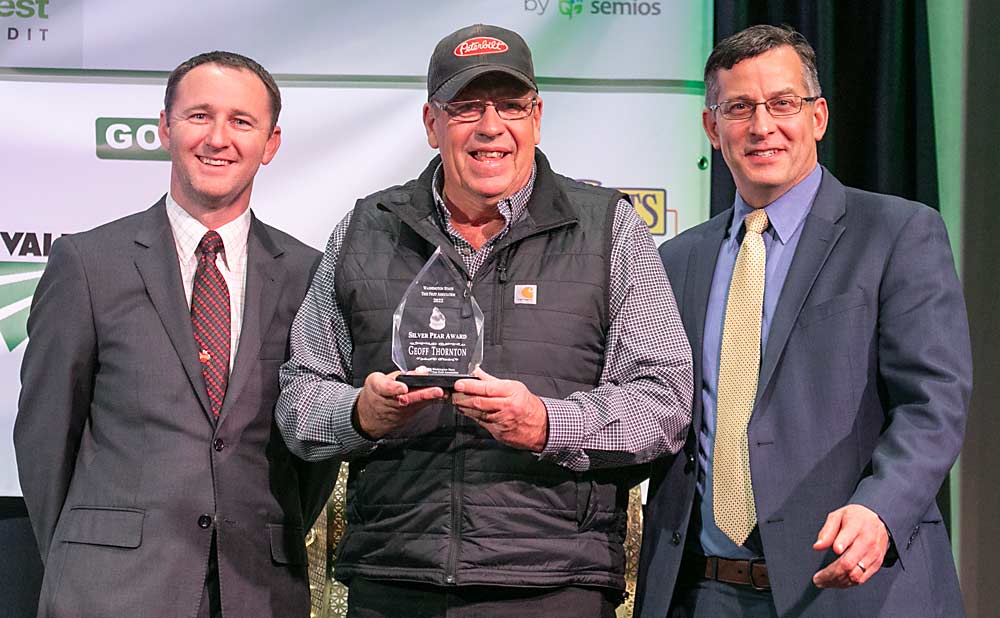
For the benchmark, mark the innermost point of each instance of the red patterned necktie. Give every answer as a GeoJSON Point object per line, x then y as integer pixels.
{"type": "Point", "coordinates": [211, 319]}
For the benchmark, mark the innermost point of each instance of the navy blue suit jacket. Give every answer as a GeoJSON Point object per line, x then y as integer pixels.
{"type": "Point", "coordinates": [862, 398]}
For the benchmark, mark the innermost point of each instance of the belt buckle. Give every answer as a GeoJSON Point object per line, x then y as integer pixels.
{"type": "Point", "coordinates": [753, 583]}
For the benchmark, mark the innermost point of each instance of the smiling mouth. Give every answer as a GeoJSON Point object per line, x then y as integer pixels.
{"type": "Point", "coordinates": [487, 155]}
{"type": "Point", "coordinates": [214, 162]}
{"type": "Point", "coordinates": [764, 153]}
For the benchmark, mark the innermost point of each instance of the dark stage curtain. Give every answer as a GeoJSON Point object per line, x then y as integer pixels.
{"type": "Point", "coordinates": [874, 68]}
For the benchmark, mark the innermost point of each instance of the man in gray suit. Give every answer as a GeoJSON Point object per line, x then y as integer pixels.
{"type": "Point", "coordinates": [832, 375]}
{"type": "Point", "coordinates": [156, 481]}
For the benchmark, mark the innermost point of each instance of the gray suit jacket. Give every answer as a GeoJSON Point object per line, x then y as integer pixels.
{"type": "Point", "coordinates": [124, 472]}
{"type": "Point", "coordinates": [862, 398]}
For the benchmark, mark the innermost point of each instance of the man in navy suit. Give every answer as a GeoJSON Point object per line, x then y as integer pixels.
{"type": "Point", "coordinates": [856, 391]}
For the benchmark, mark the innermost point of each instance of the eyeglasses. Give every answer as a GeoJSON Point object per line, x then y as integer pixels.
{"type": "Point", "coordinates": [471, 111]}
{"type": "Point", "coordinates": [741, 109]}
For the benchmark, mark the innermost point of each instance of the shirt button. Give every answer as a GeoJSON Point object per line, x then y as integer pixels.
{"type": "Point", "coordinates": [675, 538]}
{"type": "Point", "coordinates": [218, 444]}
{"type": "Point", "coordinates": [204, 521]}
{"type": "Point", "coordinates": [450, 579]}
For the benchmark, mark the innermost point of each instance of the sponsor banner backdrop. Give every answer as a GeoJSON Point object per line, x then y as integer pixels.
{"type": "Point", "coordinates": [87, 149]}
{"type": "Point", "coordinates": [625, 39]}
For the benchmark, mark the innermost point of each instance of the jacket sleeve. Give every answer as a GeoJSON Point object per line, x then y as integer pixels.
{"type": "Point", "coordinates": [57, 378]}
{"type": "Point", "coordinates": [924, 374]}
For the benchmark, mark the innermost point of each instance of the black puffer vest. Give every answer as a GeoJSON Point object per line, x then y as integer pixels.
{"type": "Point", "coordinates": [441, 501]}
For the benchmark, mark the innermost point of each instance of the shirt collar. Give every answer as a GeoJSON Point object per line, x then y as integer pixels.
{"type": "Point", "coordinates": [511, 208]}
{"type": "Point", "coordinates": [188, 232]}
{"type": "Point", "coordinates": [786, 213]}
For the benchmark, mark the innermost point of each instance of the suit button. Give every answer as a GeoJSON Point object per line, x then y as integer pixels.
{"type": "Point", "coordinates": [675, 538]}
{"type": "Point", "coordinates": [218, 444]}
{"type": "Point", "coordinates": [689, 465]}
{"type": "Point", "coordinates": [204, 521]}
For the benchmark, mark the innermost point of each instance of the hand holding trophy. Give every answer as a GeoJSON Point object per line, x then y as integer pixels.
{"type": "Point", "coordinates": [437, 329]}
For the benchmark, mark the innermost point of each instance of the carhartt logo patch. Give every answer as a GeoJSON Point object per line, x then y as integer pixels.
{"type": "Point", "coordinates": [525, 294]}
{"type": "Point", "coordinates": [479, 46]}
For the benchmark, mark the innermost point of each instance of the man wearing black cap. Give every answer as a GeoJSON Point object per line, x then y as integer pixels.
{"type": "Point", "coordinates": [494, 498]}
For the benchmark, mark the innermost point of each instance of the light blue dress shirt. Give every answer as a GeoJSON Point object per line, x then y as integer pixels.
{"type": "Point", "coordinates": [786, 215]}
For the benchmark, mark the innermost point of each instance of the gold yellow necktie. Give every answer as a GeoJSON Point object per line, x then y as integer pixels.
{"type": "Point", "coordinates": [739, 368]}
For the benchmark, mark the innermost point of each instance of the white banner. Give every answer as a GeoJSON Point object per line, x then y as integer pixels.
{"type": "Point", "coordinates": [600, 39]}
{"type": "Point", "coordinates": [83, 149]}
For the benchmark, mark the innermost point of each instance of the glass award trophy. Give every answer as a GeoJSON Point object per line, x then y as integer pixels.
{"type": "Point", "coordinates": [437, 329]}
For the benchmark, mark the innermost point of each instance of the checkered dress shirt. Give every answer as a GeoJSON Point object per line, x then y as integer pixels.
{"type": "Point", "coordinates": [232, 262]}
{"type": "Point", "coordinates": [639, 411]}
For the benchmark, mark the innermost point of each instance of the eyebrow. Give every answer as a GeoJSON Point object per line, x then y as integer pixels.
{"type": "Point", "coordinates": [210, 108]}
{"type": "Point", "coordinates": [774, 93]}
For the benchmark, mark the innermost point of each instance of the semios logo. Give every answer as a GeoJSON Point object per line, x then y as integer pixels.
{"type": "Point", "coordinates": [129, 138]}
{"type": "Point", "coordinates": [570, 7]}
{"type": "Point", "coordinates": [576, 8]}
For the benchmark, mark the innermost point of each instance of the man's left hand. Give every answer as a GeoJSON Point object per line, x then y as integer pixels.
{"type": "Point", "coordinates": [505, 408]}
{"type": "Point", "coordinates": [860, 538]}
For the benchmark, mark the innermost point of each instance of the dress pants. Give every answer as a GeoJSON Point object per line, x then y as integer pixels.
{"type": "Point", "coordinates": [712, 599]}
{"type": "Point", "coordinates": [211, 598]}
{"type": "Point", "coordinates": [368, 598]}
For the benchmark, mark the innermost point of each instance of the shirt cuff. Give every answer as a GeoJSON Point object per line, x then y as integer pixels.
{"type": "Point", "coordinates": [565, 420]}
{"type": "Point", "coordinates": [342, 427]}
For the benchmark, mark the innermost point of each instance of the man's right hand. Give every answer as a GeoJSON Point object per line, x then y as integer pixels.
{"type": "Point", "coordinates": [385, 404]}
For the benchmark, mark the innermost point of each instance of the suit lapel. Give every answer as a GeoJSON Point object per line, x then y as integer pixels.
{"type": "Point", "coordinates": [701, 265]}
{"type": "Point", "coordinates": [264, 283]}
{"type": "Point", "coordinates": [158, 266]}
{"type": "Point", "coordinates": [820, 233]}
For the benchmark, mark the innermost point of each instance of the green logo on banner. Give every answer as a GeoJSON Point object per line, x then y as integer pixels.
{"type": "Point", "coordinates": [570, 7]}
{"type": "Point", "coordinates": [24, 9]}
{"type": "Point", "coordinates": [17, 284]}
{"type": "Point", "coordinates": [129, 138]}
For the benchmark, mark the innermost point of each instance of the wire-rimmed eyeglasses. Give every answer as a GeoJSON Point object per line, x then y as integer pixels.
{"type": "Point", "coordinates": [741, 109]}
{"type": "Point", "coordinates": [471, 111]}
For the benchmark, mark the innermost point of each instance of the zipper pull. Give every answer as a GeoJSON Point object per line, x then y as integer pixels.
{"type": "Point", "coordinates": [467, 305]}
{"type": "Point", "coordinates": [502, 268]}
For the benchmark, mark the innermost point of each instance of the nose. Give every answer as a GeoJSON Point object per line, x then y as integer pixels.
{"type": "Point", "coordinates": [490, 124]}
{"type": "Point", "coordinates": [761, 122]}
{"type": "Point", "coordinates": [218, 136]}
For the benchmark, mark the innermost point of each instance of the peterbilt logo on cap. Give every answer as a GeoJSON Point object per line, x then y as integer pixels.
{"type": "Point", "coordinates": [480, 45]}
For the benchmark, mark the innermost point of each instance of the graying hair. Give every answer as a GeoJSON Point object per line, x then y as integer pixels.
{"type": "Point", "coordinates": [752, 42]}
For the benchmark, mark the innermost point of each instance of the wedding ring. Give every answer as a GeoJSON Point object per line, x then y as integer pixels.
{"type": "Point", "coordinates": [861, 565]}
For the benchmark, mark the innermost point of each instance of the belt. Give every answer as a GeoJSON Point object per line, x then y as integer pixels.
{"type": "Point", "coordinates": [751, 572]}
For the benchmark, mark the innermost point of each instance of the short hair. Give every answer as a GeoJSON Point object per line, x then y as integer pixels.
{"type": "Point", "coordinates": [752, 42]}
{"type": "Point", "coordinates": [226, 59]}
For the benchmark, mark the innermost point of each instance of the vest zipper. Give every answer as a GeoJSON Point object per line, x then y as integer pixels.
{"type": "Point", "coordinates": [498, 297]}
{"type": "Point", "coordinates": [457, 467]}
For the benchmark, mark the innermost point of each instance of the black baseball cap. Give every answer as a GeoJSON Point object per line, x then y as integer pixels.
{"type": "Point", "coordinates": [472, 51]}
